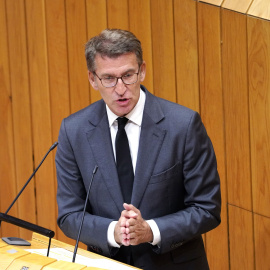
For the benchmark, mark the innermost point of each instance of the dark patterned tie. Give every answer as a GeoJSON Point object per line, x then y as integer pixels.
{"type": "Point", "coordinates": [123, 160]}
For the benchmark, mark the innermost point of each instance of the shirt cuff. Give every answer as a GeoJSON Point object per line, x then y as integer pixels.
{"type": "Point", "coordinates": [155, 231]}
{"type": "Point", "coordinates": [110, 235]}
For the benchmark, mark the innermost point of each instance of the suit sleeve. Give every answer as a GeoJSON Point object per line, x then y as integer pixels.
{"type": "Point", "coordinates": [71, 195]}
{"type": "Point", "coordinates": [202, 198]}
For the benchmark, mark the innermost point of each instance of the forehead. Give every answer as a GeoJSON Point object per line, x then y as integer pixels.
{"type": "Point", "coordinates": [122, 63]}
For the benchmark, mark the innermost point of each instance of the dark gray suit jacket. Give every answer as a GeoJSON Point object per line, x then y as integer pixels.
{"type": "Point", "coordinates": [176, 183]}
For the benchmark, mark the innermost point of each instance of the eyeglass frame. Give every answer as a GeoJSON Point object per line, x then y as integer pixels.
{"type": "Point", "coordinates": [121, 77]}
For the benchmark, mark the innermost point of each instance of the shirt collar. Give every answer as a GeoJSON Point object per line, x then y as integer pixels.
{"type": "Point", "coordinates": [135, 115]}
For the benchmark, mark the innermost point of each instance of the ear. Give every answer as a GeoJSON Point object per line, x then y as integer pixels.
{"type": "Point", "coordinates": [142, 71]}
{"type": "Point", "coordinates": [92, 80]}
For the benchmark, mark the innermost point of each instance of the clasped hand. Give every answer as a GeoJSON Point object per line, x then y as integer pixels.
{"type": "Point", "coordinates": [131, 228]}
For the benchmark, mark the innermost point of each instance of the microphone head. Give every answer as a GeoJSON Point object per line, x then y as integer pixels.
{"type": "Point", "coordinates": [53, 146]}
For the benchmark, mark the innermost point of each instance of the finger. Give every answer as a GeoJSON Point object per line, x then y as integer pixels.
{"type": "Point", "coordinates": [126, 242]}
{"type": "Point", "coordinates": [131, 211]}
{"type": "Point", "coordinates": [129, 214]}
{"type": "Point", "coordinates": [131, 222]}
{"type": "Point", "coordinates": [127, 231]}
{"type": "Point", "coordinates": [129, 207]}
{"type": "Point", "coordinates": [122, 230]}
{"type": "Point", "coordinates": [119, 233]}
{"type": "Point", "coordinates": [122, 221]}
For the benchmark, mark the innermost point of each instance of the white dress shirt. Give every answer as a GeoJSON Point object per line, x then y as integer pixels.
{"type": "Point", "coordinates": [133, 130]}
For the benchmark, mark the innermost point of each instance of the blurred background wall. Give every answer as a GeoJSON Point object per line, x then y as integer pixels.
{"type": "Point", "coordinates": [212, 56]}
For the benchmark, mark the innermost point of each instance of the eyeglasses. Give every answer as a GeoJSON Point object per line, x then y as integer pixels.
{"type": "Point", "coordinates": [111, 81]}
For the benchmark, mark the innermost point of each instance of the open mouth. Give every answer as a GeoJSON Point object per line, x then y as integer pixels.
{"type": "Point", "coordinates": [122, 100]}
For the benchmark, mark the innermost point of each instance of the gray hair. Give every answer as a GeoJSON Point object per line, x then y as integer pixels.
{"type": "Point", "coordinates": [112, 43]}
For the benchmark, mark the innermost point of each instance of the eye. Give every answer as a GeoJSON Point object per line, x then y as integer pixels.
{"type": "Point", "coordinates": [128, 75]}
{"type": "Point", "coordinates": [108, 78]}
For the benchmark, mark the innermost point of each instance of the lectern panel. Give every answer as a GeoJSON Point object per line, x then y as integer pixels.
{"type": "Point", "coordinates": [8, 254]}
{"type": "Point", "coordinates": [2, 243]}
{"type": "Point", "coordinates": [65, 265]}
{"type": "Point", "coordinates": [34, 258]}
{"type": "Point", "coordinates": [31, 262]}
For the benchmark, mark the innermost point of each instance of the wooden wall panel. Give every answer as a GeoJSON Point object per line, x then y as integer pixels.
{"type": "Point", "coordinates": [140, 25]}
{"type": "Point", "coordinates": [41, 115]}
{"type": "Point", "coordinates": [58, 73]}
{"type": "Point", "coordinates": [212, 116]}
{"type": "Point", "coordinates": [96, 16]}
{"type": "Point", "coordinates": [77, 37]}
{"type": "Point", "coordinates": [262, 243]}
{"type": "Point", "coordinates": [96, 22]}
{"type": "Point", "coordinates": [235, 89]}
{"type": "Point", "coordinates": [118, 14]}
{"type": "Point", "coordinates": [7, 166]}
{"type": "Point", "coordinates": [241, 239]}
{"type": "Point", "coordinates": [57, 63]}
{"type": "Point", "coordinates": [163, 49]}
{"type": "Point", "coordinates": [186, 53]}
{"type": "Point", "coordinates": [259, 85]}
{"type": "Point", "coordinates": [21, 110]}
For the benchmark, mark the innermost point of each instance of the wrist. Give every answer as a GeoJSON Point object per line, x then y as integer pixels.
{"type": "Point", "coordinates": [155, 232]}
{"type": "Point", "coordinates": [149, 234]}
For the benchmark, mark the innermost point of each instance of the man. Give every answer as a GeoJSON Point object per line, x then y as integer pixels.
{"type": "Point", "coordinates": [171, 194]}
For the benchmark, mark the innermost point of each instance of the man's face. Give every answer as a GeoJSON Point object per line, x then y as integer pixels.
{"type": "Point", "coordinates": [121, 98]}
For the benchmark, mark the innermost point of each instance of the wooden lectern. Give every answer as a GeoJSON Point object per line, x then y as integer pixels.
{"type": "Point", "coordinates": [18, 258]}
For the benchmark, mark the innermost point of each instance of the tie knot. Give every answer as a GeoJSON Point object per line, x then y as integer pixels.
{"type": "Point", "coordinates": [121, 122]}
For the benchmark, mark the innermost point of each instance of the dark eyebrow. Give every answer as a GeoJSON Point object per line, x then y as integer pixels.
{"type": "Point", "coordinates": [127, 71]}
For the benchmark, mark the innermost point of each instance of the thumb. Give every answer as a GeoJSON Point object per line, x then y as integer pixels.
{"type": "Point", "coordinates": [132, 210]}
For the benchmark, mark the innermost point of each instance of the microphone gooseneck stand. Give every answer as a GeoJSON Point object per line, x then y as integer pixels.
{"type": "Point", "coordinates": [24, 224]}
{"type": "Point", "coordinates": [83, 214]}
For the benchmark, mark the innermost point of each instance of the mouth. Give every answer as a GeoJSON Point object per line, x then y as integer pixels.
{"type": "Point", "coordinates": [122, 101]}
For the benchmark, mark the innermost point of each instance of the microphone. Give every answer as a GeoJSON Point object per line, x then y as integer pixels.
{"type": "Point", "coordinates": [32, 175]}
{"type": "Point", "coordinates": [86, 200]}
{"type": "Point", "coordinates": [24, 224]}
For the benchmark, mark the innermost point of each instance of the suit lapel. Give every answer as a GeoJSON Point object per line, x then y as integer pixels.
{"type": "Point", "coordinates": [99, 139]}
{"type": "Point", "coordinates": [151, 140]}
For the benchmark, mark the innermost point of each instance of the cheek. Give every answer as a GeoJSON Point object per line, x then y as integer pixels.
{"type": "Point", "coordinates": [106, 96]}
{"type": "Point", "coordinates": [136, 91]}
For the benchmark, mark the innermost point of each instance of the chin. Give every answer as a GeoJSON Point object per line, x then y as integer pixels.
{"type": "Point", "coordinates": [123, 112]}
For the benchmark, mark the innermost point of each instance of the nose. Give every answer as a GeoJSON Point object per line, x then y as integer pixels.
{"type": "Point", "coordinates": [120, 87]}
